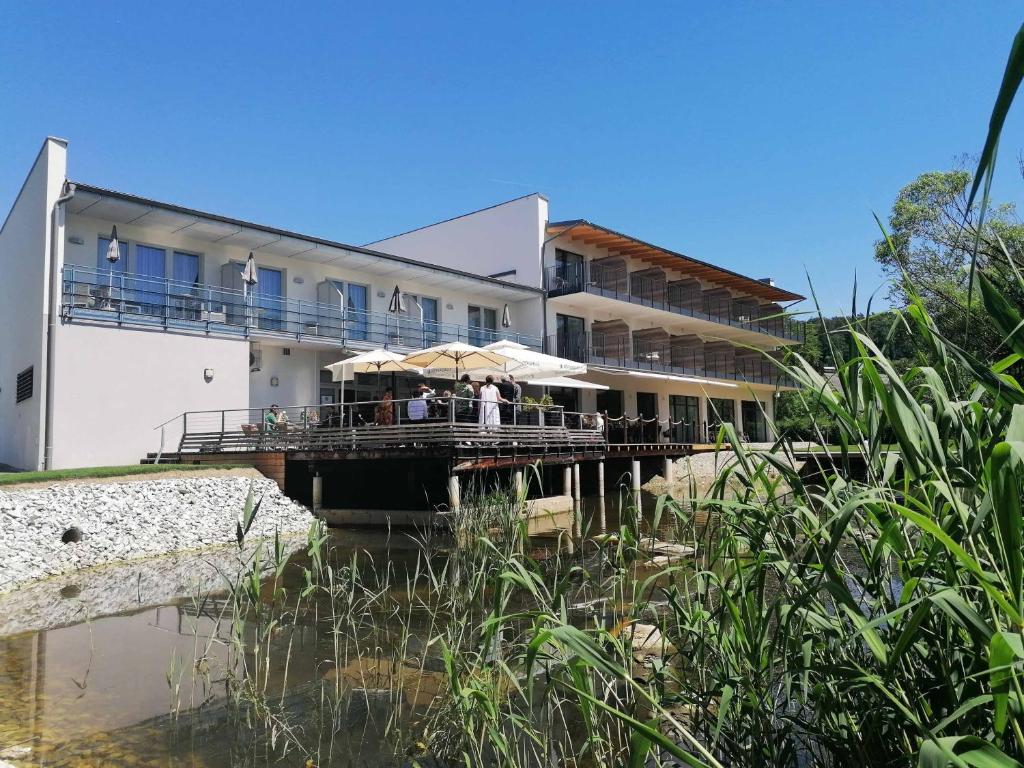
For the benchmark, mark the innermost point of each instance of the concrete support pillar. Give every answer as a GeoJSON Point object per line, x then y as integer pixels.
{"type": "Point", "coordinates": [567, 480]}
{"type": "Point", "coordinates": [318, 492]}
{"type": "Point", "coordinates": [635, 476]}
{"type": "Point", "coordinates": [517, 480]}
{"type": "Point", "coordinates": [669, 472]}
{"type": "Point", "coordinates": [454, 496]}
{"type": "Point", "coordinates": [576, 493]}
{"type": "Point", "coordinates": [600, 479]}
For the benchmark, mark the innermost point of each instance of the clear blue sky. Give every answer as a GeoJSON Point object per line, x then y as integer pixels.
{"type": "Point", "coordinates": [760, 136]}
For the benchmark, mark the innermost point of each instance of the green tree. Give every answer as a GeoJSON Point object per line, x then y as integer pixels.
{"type": "Point", "coordinates": [933, 236]}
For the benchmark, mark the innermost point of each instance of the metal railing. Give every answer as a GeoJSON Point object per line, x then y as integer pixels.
{"type": "Point", "coordinates": [672, 296]}
{"type": "Point", "coordinates": [95, 294]}
{"type": "Point", "coordinates": [443, 421]}
{"type": "Point", "coordinates": [619, 351]}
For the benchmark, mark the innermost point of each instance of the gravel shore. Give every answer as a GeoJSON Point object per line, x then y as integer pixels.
{"type": "Point", "coordinates": [120, 521]}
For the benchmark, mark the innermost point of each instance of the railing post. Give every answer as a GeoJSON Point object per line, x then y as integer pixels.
{"type": "Point", "coordinates": [562, 412]}
{"type": "Point", "coordinates": [184, 423]}
{"type": "Point", "coordinates": [222, 419]}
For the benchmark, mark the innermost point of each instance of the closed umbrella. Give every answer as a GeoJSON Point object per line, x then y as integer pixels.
{"type": "Point", "coordinates": [113, 254]}
{"type": "Point", "coordinates": [250, 277]}
{"type": "Point", "coordinates": [506, 318]}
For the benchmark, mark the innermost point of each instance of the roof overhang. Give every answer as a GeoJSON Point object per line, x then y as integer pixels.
{"type": "Point", "coordinates": [205, 227]}
{"type": "Point", "coordinates": [616, 243]}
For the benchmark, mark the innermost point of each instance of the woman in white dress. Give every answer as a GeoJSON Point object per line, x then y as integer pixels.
{"type": "Point", "coordinates": [490, 416]}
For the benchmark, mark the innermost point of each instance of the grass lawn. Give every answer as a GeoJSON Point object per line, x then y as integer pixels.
{"type": "Point", "coordinates": [12, 478]}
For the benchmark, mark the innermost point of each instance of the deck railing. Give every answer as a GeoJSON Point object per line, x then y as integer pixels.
{"type": "Point", "coordinates": [444, 421]}
{"type": "Point", "coordinates": [94, 294]}
{"type": "Point", "coordinates": [602, 280]}
{"type": "Point", "coordinates": [619, 351]}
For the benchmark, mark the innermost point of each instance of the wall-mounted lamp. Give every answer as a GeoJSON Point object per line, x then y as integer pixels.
{"type": "Point", "coordinates": [298, 280]}
{"type": "Point", "coordinates": [208, 375]}
{"type": "Point", "coordinates": [76, 240]}
{"type": "Point", "coordinates": [273, 381]}
{"type": "Point", "coordinates": [449, 306]}
{"type": "Point", "coordinates": [381, 294]}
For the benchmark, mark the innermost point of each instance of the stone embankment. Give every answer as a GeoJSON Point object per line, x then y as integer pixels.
{"type": "Point", "coordinates": [120, 521]}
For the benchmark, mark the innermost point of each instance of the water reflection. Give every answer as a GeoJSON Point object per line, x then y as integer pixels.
{"type": "Point", "coordinates": [146, 685]}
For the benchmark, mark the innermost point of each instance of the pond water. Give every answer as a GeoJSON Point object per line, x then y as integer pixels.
{"type": "Point", "coordinates": [130, 667]}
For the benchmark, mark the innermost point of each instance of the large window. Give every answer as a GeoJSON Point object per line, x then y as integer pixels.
{"type": "Point", "coordinates": [269, 298]}
{"type": "Point", "coordinates": [483, 324]}
{"type": "Point", "coordinates": [148, 278]}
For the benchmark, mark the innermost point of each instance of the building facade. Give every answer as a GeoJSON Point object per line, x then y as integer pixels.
{"type": "Point", "coordinates": [99, 359]}
{"type": "Point", "coordinates": [103, 348]}
{"type": "Point", "coordinates": [682, 345]}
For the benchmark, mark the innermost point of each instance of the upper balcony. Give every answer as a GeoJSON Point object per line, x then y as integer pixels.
{"type": "Point", "coordinates": [134, 300]}
{"type": "Point", "coordinates": [657, 351]}
{"type": "Point", "coordinates": [651, 289]}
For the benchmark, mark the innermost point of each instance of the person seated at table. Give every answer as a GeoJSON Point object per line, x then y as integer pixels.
{"type": "Point", "coordinates": [311, 417]}
{"type": "Point", "coordinates": [417, 409]}
{"type": "Point", "coordinates": [283, 424]}
{"type": "Point", "coordinates": [271, 417]}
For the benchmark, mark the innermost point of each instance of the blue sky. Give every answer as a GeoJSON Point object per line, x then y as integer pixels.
{"type": "Point", "coordinates": [760, 136]}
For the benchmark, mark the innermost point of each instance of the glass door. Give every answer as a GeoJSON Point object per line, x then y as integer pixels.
{"type": "Point", "coordinates": [755, 426]}
{"type": "Point", "coordinates": [720, 411]}
{"type": "Point", "coordinates": [571, 340]}
{"type": "Point", "coordinates": [483, 324]}
{"type": "Point", "coordinates": [568, 272]}
{"type": "Point", "coordinates": [268, 300]}
{"type": "Point", "coordinates": [685, 410]}
{"type": "Point", "coordinates": [647, 409]}
{"type": "Point", "coordinates": [357, 302]}
{"type": "Point", "coordinates": [185, 292]}
{"type": "Point", "coordinates": [148, 281]}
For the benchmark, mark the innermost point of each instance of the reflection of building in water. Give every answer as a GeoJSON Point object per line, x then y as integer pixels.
{"type": "Point", "coordinates": [22, 667]}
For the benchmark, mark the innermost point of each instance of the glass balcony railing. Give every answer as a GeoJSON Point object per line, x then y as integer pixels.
{"type": "Point", "coordinates": [618, 351]}
{"type": "Point", "coordinates": [128, 299]}
{"type": "Point", "coordinates": [612, 281]}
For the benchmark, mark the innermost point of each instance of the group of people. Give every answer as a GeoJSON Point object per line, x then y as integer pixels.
{"type": "Point", "coordinates": [488, 403]}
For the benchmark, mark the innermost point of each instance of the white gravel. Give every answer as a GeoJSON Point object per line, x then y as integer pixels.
{"type": "Point", "coordinates": [123, 521]}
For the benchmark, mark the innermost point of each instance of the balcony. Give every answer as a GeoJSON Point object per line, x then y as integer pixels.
{"type": "Point", "coordinates": [616, 351]}
{"type": "Point", "coordinates": [610, 279]}
{"type": "Point", "coordinates": [133, 300]}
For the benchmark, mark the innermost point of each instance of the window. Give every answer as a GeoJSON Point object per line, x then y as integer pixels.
{"type": "Point", "coordinates": [720, 411]}
{"type": "Point", "coordinates": [483, 322]}
{"type": "Point", "coordinates": [411, 332]}
{"type": "Point", "coordinates": [269, 297]}
{"type": "Point", "coordinates": [357, 302]}
{"type": "Point", "coordinates": [147, 280]}
{"type": "Point", "coordinates": [755, 426]}
{"type": "Point", "coordinates": [23, 390]}
{"type": "Point", "coordinates": [684, 412]}
{"type": "Point", "coordinates": [185, 268]}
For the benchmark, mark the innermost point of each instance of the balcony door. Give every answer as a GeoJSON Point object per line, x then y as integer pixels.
{"type": "Point", "coordinates": [568, 272]}
{"type": "Point", "coordinates": [269, 298]}
{"type": "Point", "coordinates": [412, 332]}
{"type": "Point", "coordinates": [483, 325]}
{"type": "Point", "coordinates": [148, 286]}
{"type": "Point", "coordinates": [720, 411]}
{"type": "Point", "coordinates": [684, 413]}
{"type": "Point", "coordinates": [755, 427]}
{"type": "Point", "coordinates": [571, 341]}
{"type": "Point", "coordinates": [646, 409]}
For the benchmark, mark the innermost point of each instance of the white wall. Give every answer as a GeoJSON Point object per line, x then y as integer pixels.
{"type": "Point", "coordinates": [503, 237]}
{"type": "Point", "coordinates": [24, 263]}
{"type": "Point", "coordinates": [297, 375]}
{"type": "Point", "coordinates": [114, 385]}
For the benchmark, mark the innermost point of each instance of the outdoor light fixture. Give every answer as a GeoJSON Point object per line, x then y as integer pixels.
{"type": "Point", "coordinates": [273, 381]}
{"type": "Point", "coordinates": [208, 374]}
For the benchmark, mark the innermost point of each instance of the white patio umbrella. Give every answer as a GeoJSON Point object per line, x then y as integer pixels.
{"type": "Point", "coordinates": [506, 317]}
{"type": "Point", "coordinates": [456, 354]}
{"type": "Point", "coordinates": [374, 361]}
{"type": "Point", "coordinates": [525, 363]}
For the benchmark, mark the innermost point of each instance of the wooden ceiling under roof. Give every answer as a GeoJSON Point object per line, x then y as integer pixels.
{"type": "Point", "coordinates": [619, 244]}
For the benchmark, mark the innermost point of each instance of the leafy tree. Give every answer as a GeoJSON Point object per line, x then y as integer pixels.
{"type": "Point", "coordinates": [932, 235]}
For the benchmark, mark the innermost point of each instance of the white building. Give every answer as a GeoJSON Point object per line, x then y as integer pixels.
{"type": "Point", "coordinates": [675, 339]}
{"type": "Point", "coordinates": [99, 360]}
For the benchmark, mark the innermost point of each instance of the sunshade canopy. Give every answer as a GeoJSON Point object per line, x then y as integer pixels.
{"type": "Point", "coordinates": [374, 361]}
{"type": "Point", "coordinates": [455, 354]}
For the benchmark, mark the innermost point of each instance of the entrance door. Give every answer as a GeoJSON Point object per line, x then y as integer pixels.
{"type": "Point", "coordinates": [684, 409]}
{"type": "Point", "coordinates": [611, 401]}
{"type": "Point", "coordinates": [647, 409]}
